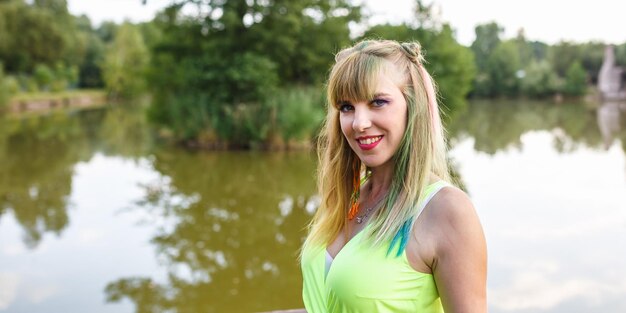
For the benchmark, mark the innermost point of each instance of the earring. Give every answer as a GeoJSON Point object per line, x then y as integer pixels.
{"type": "Point", "coordinates": [356, 192]}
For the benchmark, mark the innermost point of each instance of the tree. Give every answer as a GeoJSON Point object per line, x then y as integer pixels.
{"type": "Point", "coordinates": [214, 73]}
{"type": "Point", "coordinates": [503, 68]}
{"type": "Point", "coordinates": [125, 63]}
{"type": "Point", "coordinates": [562, 55]}
{"type": "Point", "coordinates": [43, 76]}
{"type": "Point", "coordinates": [5, 89]}
{"type": "Point", "coordinates": [90, 72]}
{"type": "Point", "coordinates": [539, 80]}
{"type": "Point", "coordinates": [524, 48]}
{"type": "Point", "coordinates": [592, 54]}
{"type": "Point", "coordinates": [487, 39]}
{"type": "Point", "coordinates": [575, 80]}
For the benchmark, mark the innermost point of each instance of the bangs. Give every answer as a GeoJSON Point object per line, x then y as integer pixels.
{"type": "Point", "coordinates": [354, 78]}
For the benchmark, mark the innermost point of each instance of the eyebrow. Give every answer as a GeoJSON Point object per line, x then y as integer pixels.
{"type": "Point", "coordinates": [376, 95]}
{"type": "Point", "coordinates": [381, 94]}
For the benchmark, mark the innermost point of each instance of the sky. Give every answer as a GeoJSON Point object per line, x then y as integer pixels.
{"type": "Point", "coordinates": [549, 21]}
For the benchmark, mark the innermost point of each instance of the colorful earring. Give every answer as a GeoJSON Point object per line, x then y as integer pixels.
{"type": "Point", "coordinates": [356, 183]}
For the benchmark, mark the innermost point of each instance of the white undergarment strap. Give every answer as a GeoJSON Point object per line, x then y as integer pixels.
{"type": "Point", "coordinates": [431, 191]}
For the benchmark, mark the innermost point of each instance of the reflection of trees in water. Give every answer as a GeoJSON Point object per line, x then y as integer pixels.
{"type": "Point", "coordinates": [38, 154]}
{"type": "Point", "coordinates": [497, 126]}
{"type": "Point", "coordinates": [124, 131]}
{"type": "Point", "coordinates": [233, 222]}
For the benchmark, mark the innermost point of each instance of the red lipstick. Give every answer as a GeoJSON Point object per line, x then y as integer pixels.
{"type": "Point", "coordinates": [368, 146]}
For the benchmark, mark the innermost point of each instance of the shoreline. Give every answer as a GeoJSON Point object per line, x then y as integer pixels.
{"type": "Point", "coordinates": [44, 102]}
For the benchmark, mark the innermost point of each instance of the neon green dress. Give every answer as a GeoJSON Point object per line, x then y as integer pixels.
{"type": "Point", "coordinates": [366, 279]}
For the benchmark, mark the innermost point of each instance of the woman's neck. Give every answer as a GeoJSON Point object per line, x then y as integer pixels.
{"type": "Point", "coordinates": [379, 181]}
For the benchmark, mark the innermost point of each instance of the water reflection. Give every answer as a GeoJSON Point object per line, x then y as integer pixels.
{"type": "Point", "coordinates": [499, 126]}
{"type": "Point", "coordinates": [236, 225]}
{"type": "Point", "coordinates": [38, 154]}
{"type": "Point", "coordinates": [225, 227]}
{"type": "Point", "coordinates": [36, 160]}
{"type": "Point", "coordinates": [552, 204]}
{"type": "Point", "coordinates": [610, 124]}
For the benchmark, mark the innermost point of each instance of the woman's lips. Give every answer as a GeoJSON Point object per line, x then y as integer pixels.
{"type": "Point", "coordinates": [369, 142]}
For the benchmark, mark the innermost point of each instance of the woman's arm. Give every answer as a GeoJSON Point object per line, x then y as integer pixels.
{"type": "Point", "coordinates": [460, 260]}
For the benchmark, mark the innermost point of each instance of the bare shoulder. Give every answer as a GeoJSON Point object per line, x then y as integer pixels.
{"type": "Point", "coordinates": [453, 218]}
{"type": "Point", "coordinates": [451, 205]}
{"type": "Point", "coordinates": [460, 252]}
{"type": "Point", "coordinates": [448, 221]}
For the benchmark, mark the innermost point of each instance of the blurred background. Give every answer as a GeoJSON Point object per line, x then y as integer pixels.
{"type": "Point", "coordinates": [157, 155]}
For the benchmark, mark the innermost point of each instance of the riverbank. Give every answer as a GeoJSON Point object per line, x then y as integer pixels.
{"type": "Point", "coordinates": [45, 101]}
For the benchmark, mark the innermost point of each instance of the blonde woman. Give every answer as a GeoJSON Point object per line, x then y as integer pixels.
{"type": "Point", "coordinates": [392, 234]}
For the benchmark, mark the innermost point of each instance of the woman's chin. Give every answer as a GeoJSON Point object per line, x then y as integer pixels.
{"type": "Point", "coordinates": [372, 163]}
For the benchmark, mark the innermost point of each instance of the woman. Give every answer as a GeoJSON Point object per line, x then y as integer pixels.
{"type": "Point", "coordinates": [391, 233]}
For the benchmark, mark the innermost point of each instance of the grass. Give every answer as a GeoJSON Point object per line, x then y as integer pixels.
{"type": "Point", "coordinates": [31, 96]}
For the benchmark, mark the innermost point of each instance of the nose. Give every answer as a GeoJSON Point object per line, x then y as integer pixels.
{"type": "Point", "coordinates": [362, 120]}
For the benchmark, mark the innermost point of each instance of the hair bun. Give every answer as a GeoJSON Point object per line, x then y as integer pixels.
{"type": "Point", "coordinates": [413, 51]}
{"type": "Point", "coordinates": [343, 54]}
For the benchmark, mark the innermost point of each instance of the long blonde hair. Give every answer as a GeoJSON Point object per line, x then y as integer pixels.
{"type": "Point", "coordinates": [422, 150]}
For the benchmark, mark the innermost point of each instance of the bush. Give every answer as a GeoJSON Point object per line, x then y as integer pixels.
{"type": "Point", "coordinates": [225, 97]}
{"type": "Point", "coordinates": [298, 112]}
{"type": "Point", "coordinates": [4, 89]}
{"type": "Point", "coordinates": [575, 80]}
{"type": "Point", "coordinates": [43, 77]}
{"type": "Point", "coordinates": [539, 80]}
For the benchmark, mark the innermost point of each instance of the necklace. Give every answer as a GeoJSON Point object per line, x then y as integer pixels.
{"type": "Point", "coordinates": [362, 217]}
{"type": "Point", "coordinates": [359, 219]}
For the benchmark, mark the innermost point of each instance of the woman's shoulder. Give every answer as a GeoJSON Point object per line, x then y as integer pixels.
{"type": "Point", "coordinates": [448, 217]}
{"type": "Point", "coordinates": [459, 250]}
{"type": "Point", "coordinates": [444, 203]}
{"type": "Point", "coordinates": [450, 204]}
{"type": "Point", "coordinates": [453, 218]}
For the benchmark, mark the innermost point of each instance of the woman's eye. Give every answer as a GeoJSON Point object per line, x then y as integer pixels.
{"type": "Point", "coordinates": [345, 107]}
{"type": "Point", "coordinates": [379, 102]}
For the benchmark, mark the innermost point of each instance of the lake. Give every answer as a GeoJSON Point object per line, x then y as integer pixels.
{"type": "Point", "coordinates": [97, 215]}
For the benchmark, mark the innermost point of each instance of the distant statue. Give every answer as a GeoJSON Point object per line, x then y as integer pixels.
{"type": "Point", "coordinates": [610, 77]}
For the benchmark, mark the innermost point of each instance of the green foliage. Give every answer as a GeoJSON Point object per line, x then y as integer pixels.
{"type": "Point", "coordinates": [500, 77]}
{"type": "Point", "coordinates": [106, 31]}
{"type": "Point", "coordinates": [620, 54]}
{"type": "Point", "coordinates": [125, 63]}
{"type": "Point", "coordinates": [218, 99]}
{"type": "Point", "coordinates": [44, 76]}
{"type": "Point", "coordinates": [39, 33]}
{"type": "Point", "coordinates": [298, 111]}
{"type": "Point", "coordinates": [213, 77]}
{"type": "Point", "coordinates": [453, 68]}
{"type": "Point", "coordinates": [503, 66]}
{"type": "Point", "coordinates": [500, 63]}
{"type": "Point", "coordinates": [11, 86]}
{"type": "Point", "coordinates": [589, 55]}
{"type": "Point", "coordinates": [562, 55]}
{"type": "Point", "coordinates": [5, 88]}
{"type": "Point", "coordinates": [592, 55]}
{"type": "Point", "coordinates": [539, 80]}
{"type": "Point", "coordinates": [575, 80]}
{"type": "Point", "coordinates": [524, 48]}
{"type": "Point", "coordinates": [487, 39]}
{"type": "Point", "coordinates": [90, 72]}
{"type": "Point", "coordinates": [539, 50]}
{"type": "Point", "coordinates": [41, 39]}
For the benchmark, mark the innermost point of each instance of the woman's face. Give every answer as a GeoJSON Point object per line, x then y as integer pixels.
{"type": "Point", "coordinates": [374, 127]}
